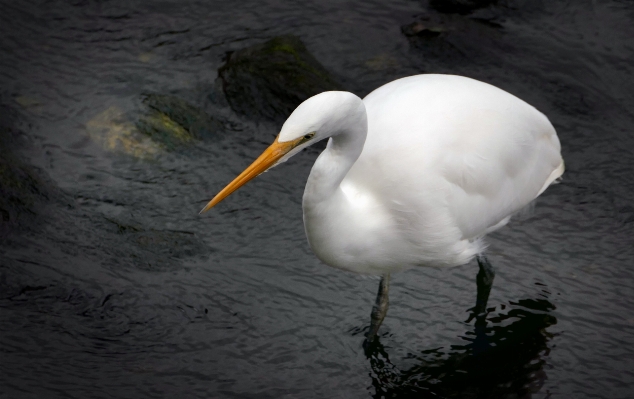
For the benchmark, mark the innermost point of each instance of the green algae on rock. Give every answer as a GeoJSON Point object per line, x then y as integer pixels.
{"type": "Point", "coordinates": [269, 80]}
{"type": "Point", "coordinates": [116, 133]}
{"type": "Point", "coordinates": [171, 121]}
{"type": "Point", "coordinates": [165, 124]}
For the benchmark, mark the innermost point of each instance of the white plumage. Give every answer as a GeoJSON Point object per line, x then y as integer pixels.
{"type": "Point", "coordinates": [446, 160]}
{"type": "Point", "coordinates": [416, 173]}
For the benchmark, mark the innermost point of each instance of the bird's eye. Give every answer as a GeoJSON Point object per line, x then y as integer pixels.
{"type": "Point", "coordinates": [309, 136]}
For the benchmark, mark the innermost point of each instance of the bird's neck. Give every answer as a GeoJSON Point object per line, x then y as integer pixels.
{"type": "Point", "coordinates": [324, 204]}
{"type": "Point", "coordinates": [335, 161]}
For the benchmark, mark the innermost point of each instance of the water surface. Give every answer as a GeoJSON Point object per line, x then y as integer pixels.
{"type": "Point", "coordinates": [113, 286]}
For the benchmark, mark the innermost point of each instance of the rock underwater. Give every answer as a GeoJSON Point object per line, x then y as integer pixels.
{"type": "Point", "coordinates": [165, 124]}
{"type": "Point", "coordinates": [269, 80]}
{"type": "Point", "coordinates": [25, 190]}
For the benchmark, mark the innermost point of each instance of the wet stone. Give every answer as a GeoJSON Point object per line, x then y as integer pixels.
{"type": "Point", "coordinates": [171, 120]}
{"type": "Point", "coordinates": [269, 80]}
{"type": "Point", "coordinates": [165, 123]}
{"type": "Point", "coordinates": [115, 132]}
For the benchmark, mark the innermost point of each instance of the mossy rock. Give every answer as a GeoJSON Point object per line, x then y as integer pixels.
{"type": "Point", "coordinates": [172, 121]}
{"type": "Point", "coordinates": [269, 80]}
{"type": "Point", "coordinates": [165, 124]}
{"type": "Point", "coordinates": [115, 131]}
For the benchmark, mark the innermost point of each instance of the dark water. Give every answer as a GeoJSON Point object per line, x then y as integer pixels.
{"type": "Point", "coordinates": [111, 285]}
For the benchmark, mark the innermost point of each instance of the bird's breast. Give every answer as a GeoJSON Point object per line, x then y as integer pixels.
{"type": "Point", "coordinates": [352, 231]}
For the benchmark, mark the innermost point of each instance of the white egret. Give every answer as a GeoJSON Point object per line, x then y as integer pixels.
{"type": "Point", "coordinates": [415, 174]}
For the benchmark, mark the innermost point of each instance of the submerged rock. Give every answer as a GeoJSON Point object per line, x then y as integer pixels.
{"type": "Point", "coordinates": [172, 121]}
{"type": "Point", "coordinates": [453, 39]}
{"type": "Point", "coordinates": [271, 79]}
{"type": "Point", "coordinates": [167, 123]}
{"type": "Point", "coordinates": [382, 62]}
{"type": "Point", "coordinates": [23, 189]}
{"type": "Point", "coordinates": [27, 102]}
{"type": "Point", "coordinates": [154, 249]}
{"type": "Point", "coordinates": [36, 213]}
{"type": "Point", "coordinates": [425, 28]}
{"type": "Point", "coordinates": [20, 188]}
{"type": "Point", "coordinates": [115, 132]}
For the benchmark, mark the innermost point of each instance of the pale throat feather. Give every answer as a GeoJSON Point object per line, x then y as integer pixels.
{"type": "Point", "coordinates": [327, 210]}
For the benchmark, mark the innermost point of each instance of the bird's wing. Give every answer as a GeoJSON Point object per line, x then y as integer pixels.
{"type": "Point", "coordinates": [455, 155]}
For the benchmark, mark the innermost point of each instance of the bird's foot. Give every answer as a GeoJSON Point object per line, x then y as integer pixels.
{"type": "Point", "coordinates": [372, 345]}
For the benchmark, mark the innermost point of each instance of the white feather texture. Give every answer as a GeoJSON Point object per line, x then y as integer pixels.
{"type": "Point", "coordinates": [419, 171]}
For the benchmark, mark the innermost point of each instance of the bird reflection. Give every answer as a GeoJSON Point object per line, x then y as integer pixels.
{"type": "Point", "coordinates": [502, 359]}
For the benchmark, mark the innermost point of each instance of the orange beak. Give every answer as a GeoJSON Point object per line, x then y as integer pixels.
{"type": "Point", "coordinates": [268, 158]}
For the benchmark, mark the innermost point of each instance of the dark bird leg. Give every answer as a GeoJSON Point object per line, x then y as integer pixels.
{"type": "Point", "coordinates": [379, 310]}
{"type": "Point", "coordinates": [484, 280]}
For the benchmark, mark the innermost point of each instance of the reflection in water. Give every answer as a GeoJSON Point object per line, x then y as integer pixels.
{"type": "Point", "coordinates": [503, 359]}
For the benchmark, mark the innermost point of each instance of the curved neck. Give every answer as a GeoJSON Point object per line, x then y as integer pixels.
{"type": "Point", "coordinates": [333, 164]}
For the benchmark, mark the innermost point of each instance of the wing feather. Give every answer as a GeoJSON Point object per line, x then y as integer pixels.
{"type": "Point", "coordinates": [453, 157]}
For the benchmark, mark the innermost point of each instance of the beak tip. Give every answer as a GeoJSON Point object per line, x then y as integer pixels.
{"type": "Point", "coordinates": [265, 161]}
{"type": "Point", "coordinates": [210, 205]}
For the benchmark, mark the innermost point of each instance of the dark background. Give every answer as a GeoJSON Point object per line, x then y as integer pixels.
{"type": "Point", "coordinates": [112, 286]}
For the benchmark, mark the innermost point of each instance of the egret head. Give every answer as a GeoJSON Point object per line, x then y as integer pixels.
{"type": "Point", "coordinates": [317, 118]}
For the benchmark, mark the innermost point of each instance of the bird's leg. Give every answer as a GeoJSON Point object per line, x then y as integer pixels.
{"type": "Point", "coordinates": [379, 310]}
{"type": "Point", "coordinates": [484, 280]}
